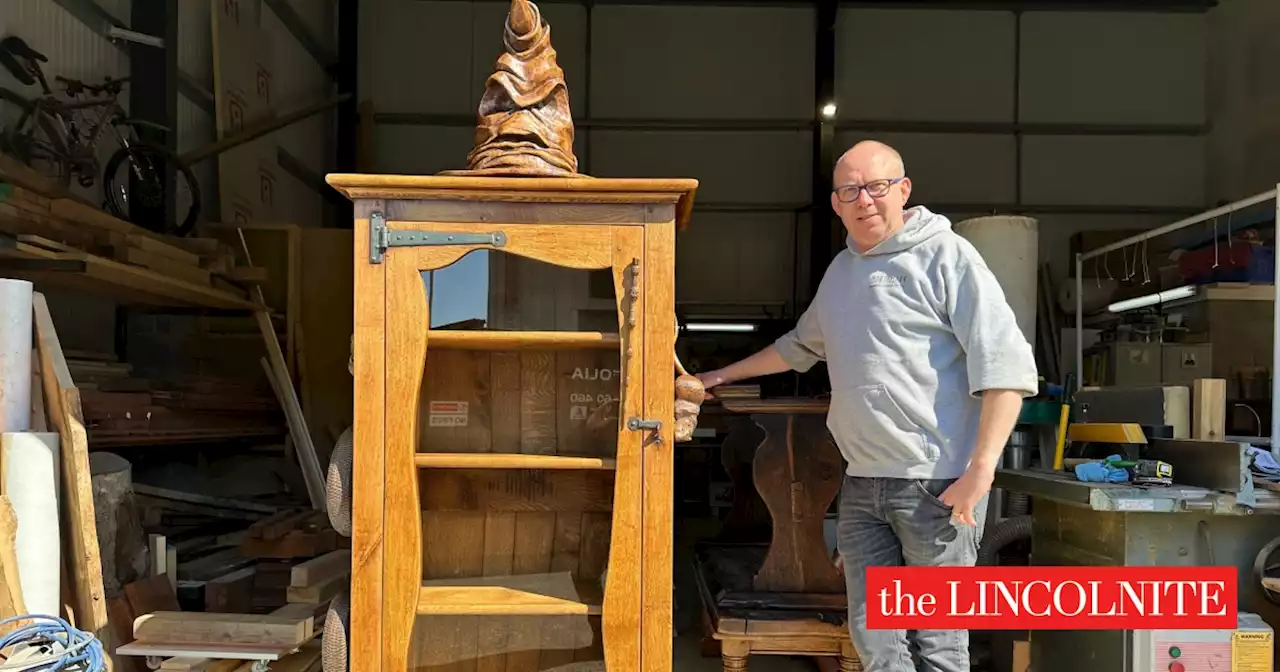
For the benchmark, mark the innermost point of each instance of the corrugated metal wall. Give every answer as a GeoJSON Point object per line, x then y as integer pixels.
{"type": "Point", "coordinates": [74, 50]}
{"type": "Point", "coordinates": [988, 107]}
{"type": "Point", "coordinates": [77, 50]}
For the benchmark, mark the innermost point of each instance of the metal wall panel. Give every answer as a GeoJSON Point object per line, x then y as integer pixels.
{"type": "Point", "coordinates": [731, 166]}
{"type": "Point", "coordinates": [424, 57]}
{"type": "Point", "coordinates": [1113, 68]}
{"type": "Point", "coordinates": [737, 257]}
{"type": "Point", "coordinates": [73, 49]}
{"type": "Point", "coordinates": [1113, 170]}
{"type": "Point", "coordinates": [702, 62]}
{"type": "Point", "coordinates": [297, 80]}
{"type": "Point", "coordinates": [195, 41]}
{"type": "Point", "coordinates": [924, 65]}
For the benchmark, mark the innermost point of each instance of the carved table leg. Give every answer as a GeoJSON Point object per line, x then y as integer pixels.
{"type": "Point", "coordinates": [748, 519]}
{"type": "Point", "coordinates": [797, 471]}
{"type": "Point", "coordinates": [734, 654]}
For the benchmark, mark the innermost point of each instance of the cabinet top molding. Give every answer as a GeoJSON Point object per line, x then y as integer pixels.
{"type": "Point", "coordinates": [677, 191]}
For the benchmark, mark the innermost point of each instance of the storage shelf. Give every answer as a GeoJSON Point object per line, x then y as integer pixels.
{"type": "Point", "coordinates": [510, 461]}
{"type": "Point", "coordinates": [473, 339]}
{"type": "Point", "coordinates": [525, 595]}
{"type": "Point", "coordinates": [123, 283]}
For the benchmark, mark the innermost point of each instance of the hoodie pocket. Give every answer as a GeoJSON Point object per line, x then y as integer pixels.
{"type": "Point", "coordinates": [869, 418]}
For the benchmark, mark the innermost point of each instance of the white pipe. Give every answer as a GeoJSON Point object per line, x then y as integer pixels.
{"type": "Point", "coordinates": [1183, 223]}
{"type": "Point", "coordinates": [31, 484]}
{"type": "Point", "coordinates": [15, 355]}
{"type": "Point", "coordinates": [1275, 341]}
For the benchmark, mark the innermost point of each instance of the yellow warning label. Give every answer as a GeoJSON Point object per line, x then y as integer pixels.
{"type": "Point", "coordinates": [1251, 651]}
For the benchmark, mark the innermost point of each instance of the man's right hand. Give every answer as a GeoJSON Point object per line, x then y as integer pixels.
{"type": "Point", "coordinates": [709, 380]}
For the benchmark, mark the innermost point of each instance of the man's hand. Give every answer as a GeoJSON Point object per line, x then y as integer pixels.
{"type": "Point", "coordinates": [709, 380]}
{"type": "Point", "coordinates": [1000, 410]}
{"type": "Point", "coordinates": [967, 491]}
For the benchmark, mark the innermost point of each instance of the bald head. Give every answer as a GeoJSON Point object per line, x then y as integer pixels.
{"type": "Point", "coordinates": [869, 192]}
{"type": "Point", "coordinates": [877, 157]}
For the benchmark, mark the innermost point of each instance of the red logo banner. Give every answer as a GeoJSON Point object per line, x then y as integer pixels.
{"type": "Point", "coordinates": [1051, 598]}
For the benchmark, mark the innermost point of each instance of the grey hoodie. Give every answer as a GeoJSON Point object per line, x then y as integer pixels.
{"type": "Point", "coordinates": [912, 331]}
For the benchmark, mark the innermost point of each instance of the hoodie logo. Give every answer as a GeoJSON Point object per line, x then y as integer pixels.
{"type": "Point", "coordinates": [882, 279]}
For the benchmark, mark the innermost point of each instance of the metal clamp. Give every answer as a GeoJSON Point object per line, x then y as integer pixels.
{"type": "Point", "coordinates": [382, 238]}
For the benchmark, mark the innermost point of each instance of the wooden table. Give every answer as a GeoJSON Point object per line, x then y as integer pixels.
{"type": "Point", "coordinates": [775, 590]}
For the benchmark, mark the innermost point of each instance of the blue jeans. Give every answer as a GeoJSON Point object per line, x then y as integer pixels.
{"type": "Point", "coordinates": [892, 521]}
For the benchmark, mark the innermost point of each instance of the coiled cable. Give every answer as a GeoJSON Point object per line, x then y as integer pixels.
{"type": "Point", "coordinates": [57, 646]}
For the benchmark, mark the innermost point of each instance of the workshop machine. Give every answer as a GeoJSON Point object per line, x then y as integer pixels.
{"type": "Point", "coordinates": [1249, 647]}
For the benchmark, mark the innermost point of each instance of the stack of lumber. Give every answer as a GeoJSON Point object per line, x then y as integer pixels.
{"type": "Point", "coordinates": [123, 409]}
{"type": "Point", "coordinates": [147, 621]}
{"type": "Point", "coordinates": [84, 248]}
{"type": "Point", "coordinates": [262, 592]}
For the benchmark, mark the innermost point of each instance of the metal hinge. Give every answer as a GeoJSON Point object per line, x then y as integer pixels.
{"type": "Point", "coordinates": [381, 238]}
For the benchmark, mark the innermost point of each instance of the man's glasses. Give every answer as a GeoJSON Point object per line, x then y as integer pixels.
{"type": "Point", "coordinates": [875, 189]}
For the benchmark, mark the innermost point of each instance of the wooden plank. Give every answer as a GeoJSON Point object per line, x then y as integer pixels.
{"type": "Point", "coordinates": [277, 374]}
{"type": "Point", "coordinates": [1209, 417]}
{"type": "Point", "coordinates": [124, 283]}
{"type": "Point", "coordinates": [317, 593]}
{"type": "Point", "coordinates": [520, 340]}
{"type": "Point", "coordinates": [154, 246]}
{"type": "Point", "coordinates": [406, 348]}
{"type": "Point", "coordinates": [500, 461]}
{"type": "Point", "coordinates": [163, 264]}
{"type": "Point", "coordinates": [622, 622]}
{"type": "Point", "coordinates": [11, 602]}
{"type": "Point", "coordinates": [369, 459]}
{"type": "Point", "coordinates": [192, 627]}
{"type": "Point", "coordinates": [518, 491]}
{"type": "Point", "coordinates": [658, 297]}
{"type": "Point", "coordinates": [80, 541]}
{"type": "Point", "coordinates": [336, 563]}
{"type": "Point", "coordinates": [230, 593]}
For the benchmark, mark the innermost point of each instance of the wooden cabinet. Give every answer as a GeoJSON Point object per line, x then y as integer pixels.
{"type": "Point", "coordinates": [512, 490]}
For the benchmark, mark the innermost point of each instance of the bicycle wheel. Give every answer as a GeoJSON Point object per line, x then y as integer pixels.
{"type": "Point", "coordinates": [148, 163]}
{"type": "Point", "coordinates": [22, 139]}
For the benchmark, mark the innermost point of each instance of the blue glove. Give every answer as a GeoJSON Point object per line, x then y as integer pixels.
{"type": "Point", "coordinates": [1098, 472]}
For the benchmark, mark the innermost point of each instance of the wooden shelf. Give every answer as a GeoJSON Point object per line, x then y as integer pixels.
{"type": "Point", "coordinates": [510, 461]}
{"type": "Point", "coordinates": [124, 283]}
{"type": "Point", "coordinates": [525, 595]}
{"type": "Point", "coordinates": [472, 339]}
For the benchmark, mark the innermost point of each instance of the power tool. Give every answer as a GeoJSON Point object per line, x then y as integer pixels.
{"type": "Point", "coordinates": [1145, 472]}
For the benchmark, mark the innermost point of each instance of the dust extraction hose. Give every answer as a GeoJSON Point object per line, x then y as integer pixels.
{"type": "Point", "coordinates": [1000, 535]}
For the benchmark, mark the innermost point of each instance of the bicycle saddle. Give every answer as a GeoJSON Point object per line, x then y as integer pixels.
{"type": "Point", "coordinates": [21, 60]}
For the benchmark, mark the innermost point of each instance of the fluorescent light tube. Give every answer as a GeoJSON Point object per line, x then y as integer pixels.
{"type": "Point", "coordinates": [720, 326]}
{"type": "Point", "coordinates": [1183, 292]}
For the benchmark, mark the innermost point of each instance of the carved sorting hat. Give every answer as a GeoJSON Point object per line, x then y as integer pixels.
{"type": "Point", "coordinates": [524, 128]}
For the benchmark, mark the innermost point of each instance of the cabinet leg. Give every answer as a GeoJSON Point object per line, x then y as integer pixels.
{"type": "Point", "coordinates": [733, 654]}
{"type": "Point", "coordinates": [849, 661]}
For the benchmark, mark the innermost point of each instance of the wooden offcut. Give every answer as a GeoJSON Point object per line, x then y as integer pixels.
{"type": "Point", "coordinates": [80, 540]}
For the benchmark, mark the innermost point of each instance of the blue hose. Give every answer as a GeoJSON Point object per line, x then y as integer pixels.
{"type": "Point", "coordinates": [74, 649]}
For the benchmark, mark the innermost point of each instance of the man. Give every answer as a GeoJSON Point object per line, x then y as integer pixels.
{"type": "Point", "coordinates": [928, 371]}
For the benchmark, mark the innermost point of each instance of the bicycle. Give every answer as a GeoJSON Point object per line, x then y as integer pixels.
{"type": "Point", "coordinates": [64, 135]}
